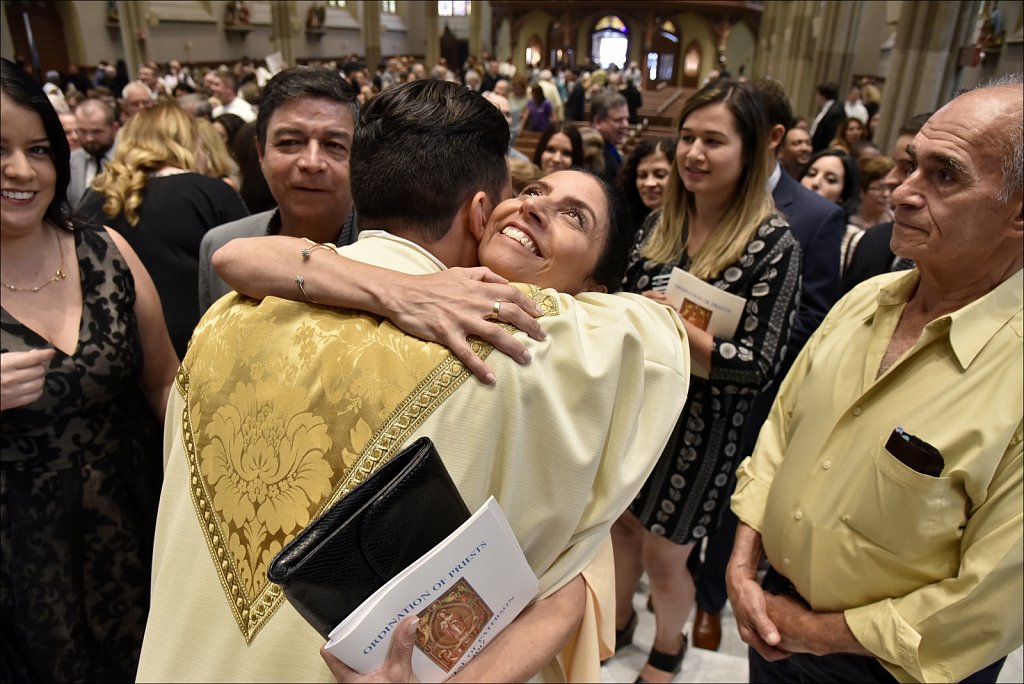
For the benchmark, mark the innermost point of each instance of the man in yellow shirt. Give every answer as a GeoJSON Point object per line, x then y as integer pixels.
{"type": "Point", "coordinates": [886, 486]}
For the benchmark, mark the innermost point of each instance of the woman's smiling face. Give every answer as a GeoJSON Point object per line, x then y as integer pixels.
{"type": "Point", "coordinates": [557, 154]}
{"type": "Point", "coordinates": [652, 175]}
{"type": "Point", "coordinates": [709, 155]}
{"type": "Point", "coordinates": [27, 173]}
{"type": "Point", "coordinates": [551, 235]}
{"type": "Point", "coordinates": [826, 177]}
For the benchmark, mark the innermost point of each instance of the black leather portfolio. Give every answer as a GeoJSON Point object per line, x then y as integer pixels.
{"type": "Point", "coordinates": [386, 523]}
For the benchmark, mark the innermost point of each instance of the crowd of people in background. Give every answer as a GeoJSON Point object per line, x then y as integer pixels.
{"type": "Point", "coordinates": [228, 97]}
{"type": "Point", "coordinates": [146, 175]}
{"type": "Point", "coordinates": [566, 103]}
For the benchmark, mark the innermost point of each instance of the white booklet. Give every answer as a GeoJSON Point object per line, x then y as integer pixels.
{"type": "Point", "coordinates": [465, 590]}
{"type": "Point", "coordinates": [705, 306]}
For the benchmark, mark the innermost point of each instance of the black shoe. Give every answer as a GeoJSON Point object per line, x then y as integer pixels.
{"type": "Point", "coordinates": [624, 636]}
{"type": "Point", "coordinates": [666, 662]}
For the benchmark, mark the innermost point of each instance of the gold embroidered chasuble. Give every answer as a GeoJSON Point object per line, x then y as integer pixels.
{"type": "Point", "coordinates": [280, 408]}
{"type": "Point", "coordinates": [274, 436]}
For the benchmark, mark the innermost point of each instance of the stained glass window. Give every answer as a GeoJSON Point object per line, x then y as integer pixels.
{"type": "Point", "coordinates": [454, 8]}
{"type": "Point", "coordinates": [610, 22]}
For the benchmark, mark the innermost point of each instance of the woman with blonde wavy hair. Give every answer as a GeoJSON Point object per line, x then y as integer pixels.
{"type": "Point", "coordinates": [212, 156]}
{"type": "Point", "coordinates": [155, 192]}
{"type": "Point", "coordinates": [718, 223]}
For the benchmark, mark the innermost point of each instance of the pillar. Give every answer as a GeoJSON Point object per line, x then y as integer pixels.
{"type": "Point", "coordinates": [433, 47]}
{"type": "Point", "coordinates": [132, 17]}
{"type": "Point", "coordinates": [476, 31]}
{"type": "Point", "coordinates": [836, 41]}
{"type": "Point", "coordinates": [924, 73]}
{"type": "Point", "coordinates": [786, 51]}
{"type": "Point", "coordinates": [646, 47]}
{"type": "Point", "coordinates": [805, 43]}
{"type": "Point", "coordinates": [371, 32]}
{"type": "Point", "coordinates": [281, 29]}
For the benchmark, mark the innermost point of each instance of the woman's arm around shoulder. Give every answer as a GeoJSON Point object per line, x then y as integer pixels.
{"type": "Point", "coordinates": [444, 307]}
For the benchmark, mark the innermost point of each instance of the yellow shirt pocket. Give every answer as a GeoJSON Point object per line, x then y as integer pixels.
{"type": "Point", "coordinates": [907, 513]}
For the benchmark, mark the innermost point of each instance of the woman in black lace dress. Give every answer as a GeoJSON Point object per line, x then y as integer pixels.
{"type": "Point", "coordinates": [719, 224]}
{"type": "Point", "coordinates": [85, 366]}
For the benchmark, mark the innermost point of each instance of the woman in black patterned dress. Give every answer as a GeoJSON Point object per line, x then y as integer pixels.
{"type": "Point", "coordinates": [85, 366]}
{"type": "Point", "coordinates": [718, 223]}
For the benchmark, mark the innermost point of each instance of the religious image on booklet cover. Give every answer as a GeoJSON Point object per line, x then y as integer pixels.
{"type": "Point", "coordinates": [695, 313]}
{"type": "Point", "coordinates": [450, 624]}
{"type": "Point", "coordinates": [464, 592]}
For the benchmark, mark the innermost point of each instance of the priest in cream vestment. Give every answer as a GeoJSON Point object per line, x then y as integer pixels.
{"type": "Point", "coordinates": [281, 408]}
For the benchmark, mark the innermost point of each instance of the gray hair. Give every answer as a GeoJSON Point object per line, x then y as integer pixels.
{"type": "Point", "coordinates": [135, 85]}
{"type": "Point", "coordinates": [602, 103]}
{"type": "Point", "coordinates": [1011, 144]}
{"type": "Point", "coordinates": [196, 105]}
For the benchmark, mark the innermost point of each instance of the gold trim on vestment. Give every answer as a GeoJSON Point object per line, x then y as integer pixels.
{"type": "Point", "coordinates": [250, 615]}
{"type": "Point", "coordinates": [395, 431]}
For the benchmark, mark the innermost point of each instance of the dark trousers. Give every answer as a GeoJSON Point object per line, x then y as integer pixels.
{"type": "Point", "coordinates": [836, 667]}
{"type": "Point", "coordinates": [839, 668]}
{"type": "Point", "coordinates": [709, 574]}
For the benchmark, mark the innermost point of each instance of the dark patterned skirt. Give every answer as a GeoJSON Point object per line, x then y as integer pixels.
{"type": "Point", "coordinates": [691, 484]}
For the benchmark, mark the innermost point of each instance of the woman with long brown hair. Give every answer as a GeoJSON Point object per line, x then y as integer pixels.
{"type": "Point", "coordinates": [718, 223]}
{"type": "Point", "coordinates": [85, 368]}
{"type": "Point", "coordinates": [850, 132]}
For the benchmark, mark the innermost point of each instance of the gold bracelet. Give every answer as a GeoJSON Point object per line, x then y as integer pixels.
{"type": "Point", "coordinates": [301, 282]}
{"type": "Point", "coordinates": [306, 251]}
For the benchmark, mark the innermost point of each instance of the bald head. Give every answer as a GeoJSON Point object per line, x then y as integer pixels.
{"type": "Point", "coordinates": [134, 88]}
{"type": "Point", "coordinates": [997, 108]}
{"type": "Point", "coordinates": [1012, 113]}
{"type": "Point", "coordinates": [502, 103]}
{"type": "Point", "coordinates": [94, 107]}
{"type": "Point", "coordinates": [97, 126]}
{"type": "Point", "coordinates": [960, 212]}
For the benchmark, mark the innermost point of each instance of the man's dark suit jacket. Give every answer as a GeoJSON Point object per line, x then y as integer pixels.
{"type": "Point", "coordinates": [818, 225]}
{"type": "Point", "coordinates": [828, 126]}
{"type": "Point", "coordinates": [488, 82]}
{"type": "Point", "coordinates": [76, 185]}
{"type": "Point", "coordinates": [575, 104]}
{"type": "Point", "coordinates": [634, 101]}
{"type": "Point", "coordinates": [612, 164]}
{"type": "Point", "coordinates": [871, 257]}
